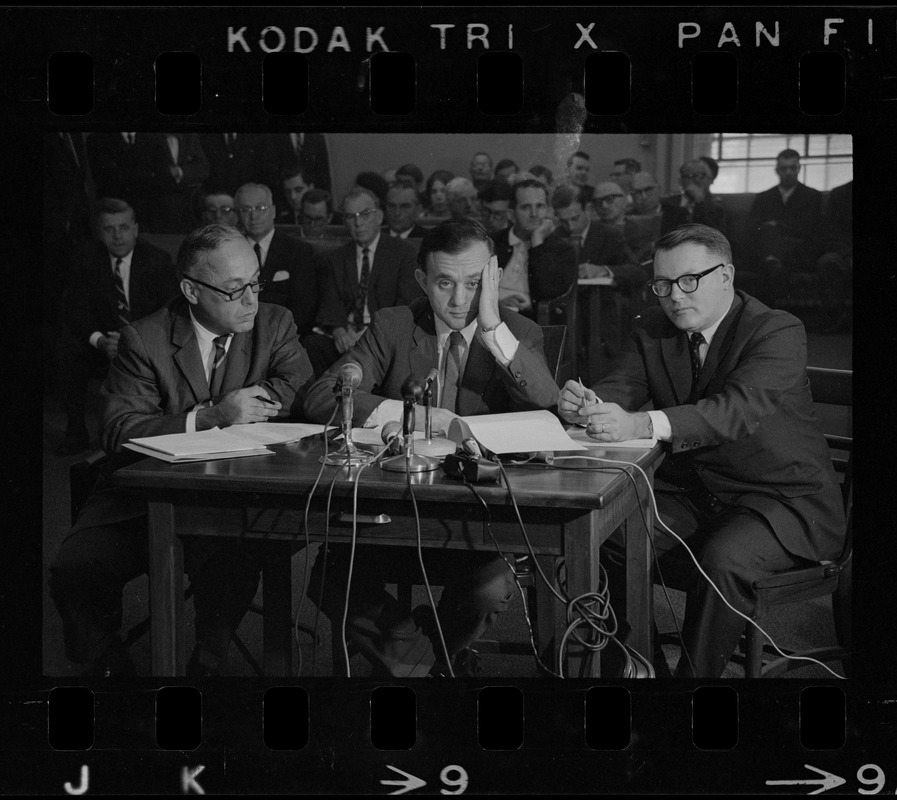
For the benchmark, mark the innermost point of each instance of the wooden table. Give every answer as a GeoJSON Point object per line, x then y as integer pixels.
{"type": "Point", "coordinates": [567, 513]}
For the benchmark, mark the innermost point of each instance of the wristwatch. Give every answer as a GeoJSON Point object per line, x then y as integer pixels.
{"type": "Point", "coordinates": [489, 330]}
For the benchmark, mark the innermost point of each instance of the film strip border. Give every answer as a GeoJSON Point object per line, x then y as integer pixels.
{"type": "Point", "coordinates": [497, 738]}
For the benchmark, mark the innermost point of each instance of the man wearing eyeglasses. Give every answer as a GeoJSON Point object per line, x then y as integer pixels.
{"type": "Point", "coordinates": [214, 356]}
{"type": "Point", "coordinates": [695, 203]}
{"type": "Point", "coordinates": [747, 480]}
{"type": "Point", "coordinates": [402, 212]}
{"type": "Point", "coordinates": [317, 213]}
{"type": "Point", "coordinates": [218, 206]}
{"type": "Point", "coordinates": [286, 263]}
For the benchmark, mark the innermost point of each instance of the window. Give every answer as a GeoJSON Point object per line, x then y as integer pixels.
{"type": "Point", "coordinates": [747, 160]}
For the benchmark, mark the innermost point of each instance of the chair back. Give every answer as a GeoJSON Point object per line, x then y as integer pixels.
{"type": "Point", "coordinates": [562, 311]}
{"type": "Point", "coordinates": [553, 338]}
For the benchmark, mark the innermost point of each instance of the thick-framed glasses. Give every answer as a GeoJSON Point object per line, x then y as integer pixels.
{"type": "Point", "coordinates": [247, 210]}
{"type": "Point", "coordinates": [236, 294]}
{"type": "Point", "coordinates": [608, 199]}
{"type": "Point", "coordinates": [361, 216]}
{"type": "Point", "coordinates": [663, 287]}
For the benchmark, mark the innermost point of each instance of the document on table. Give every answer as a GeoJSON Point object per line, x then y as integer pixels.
{"type": "Point", "coordinates": [580, 436]}
{"type": "Point", "coordinates": [516, 432]}
{"type": "Point", "coordinates": [595, 281]}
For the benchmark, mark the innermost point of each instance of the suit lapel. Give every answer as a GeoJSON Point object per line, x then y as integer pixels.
{"type": "Point", "coordinates": [477, 374]}
{"type": "Point", "coordinates": [239, 355]}
{"type": "Point", "coordinates": [677, 362]}
{"type": "Point", "coordinates": [722, 341]}
{"type": "Point", "coordinates": [423, 355]}
{"type": "Point", "coordinates": [186, 354]}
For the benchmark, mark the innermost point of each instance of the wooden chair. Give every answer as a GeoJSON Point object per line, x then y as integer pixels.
{"type": "Point", "coordinates": [829, 387]}
{"type": "Point", "coordinates": [553, 339]}
{"type": "Point", "coordinates": [562, 311]}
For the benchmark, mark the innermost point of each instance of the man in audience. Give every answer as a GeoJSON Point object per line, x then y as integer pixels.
{"type": "Point", "coordinates": [461, 199]}
{"type": "Point", "coordinates": [488, 360]}
{"type": "Point", "coordinates": [480, 170]}
{"type": "Point", "coordinates": [375, 184]}
{"type": "Point", "coordinates": [601, 252]}
{"type": "Point", "coordinates": [536, 260]}
{"type": "Point", "coordinates": [310, 150]}
{"type": "Point", "coordinates": [402, 212]}
{"type": "Point", "coordinates": [234, 158]}
{"type": "Point", "coordinates": [712, 165]}
{"type": "Point", "coordinates": [645, 195]}
{"type": "Point", "coordinates": [317, 213]}
{"type": "Point", "coordinates": [218, 206]}
{"type": "Point", "coordinates": [119, 279]}
{"type": "Point", "coordinates": [785, 224]}
{"type": "Point", "coordinates": [286, 264]}
{"type": "Point", "coordinates": [177, 168]}
{"type": "Point", "coordinates": [578, 167]}
{"type": "Point", "coordinates": [368, 273]}
{"type": "Point", "coordinates": [695, 203]}
{"type": "Point", "coordinates": [505, 170]}
{"type": "Point", "coordinates": [120, 168]}
{"type": "Point", "coordinates": [295, 184]}
{"type": "Point", "coordinates": [622, 172]}
{"type": "Point", "coordinates": [202, 361]}
{"type": "Point", "coordinates": [747, 480]}
{"type": "Point", "coordinates": [496, 202]}
{"type": "Point", "coordinates": [413, 176]}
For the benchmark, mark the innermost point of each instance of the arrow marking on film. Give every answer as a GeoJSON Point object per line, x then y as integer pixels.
{"type": "Point", "coordinates": [828, 781]}
{"type": "Point", "coordinates": [410, 783]}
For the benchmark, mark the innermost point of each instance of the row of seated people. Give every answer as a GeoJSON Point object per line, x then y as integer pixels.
{"type": "Point", "coordinates": [216, 356]}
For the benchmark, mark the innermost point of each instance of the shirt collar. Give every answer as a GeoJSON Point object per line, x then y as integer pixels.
{"type": "Point", "coordinates": [125, 261]}
{"type": "Point", "coordinates": [710, 331]}
{"type": "Point", "coordinates": [265, 241]}
{"type": "Point", "coordinates": [372, 247]}
{"type": "Point", "coordinates": [513, 238]}
{"type": "Point", "coordinates": [443, 332]}
{"type": "Point", "coordinates": [204, 336]}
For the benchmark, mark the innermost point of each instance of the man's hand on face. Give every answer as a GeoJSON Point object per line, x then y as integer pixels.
{"type": "Point", "coordinates": [545, 229]}
{"type": "Point", "coordinates": [694, 191]}
{"type": "Point", "coordinates": [488, 316]}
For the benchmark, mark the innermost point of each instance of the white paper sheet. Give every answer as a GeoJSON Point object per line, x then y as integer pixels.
{"type": "Point", "coordinates": [521, 432]}
{"type": "Point", "coordinates": [580, 436]}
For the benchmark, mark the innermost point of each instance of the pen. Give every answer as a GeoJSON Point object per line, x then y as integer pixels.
{"type": "Point", "coordinates": [583, 393]}
{"type": "Point", "coordinates": [264, 399]}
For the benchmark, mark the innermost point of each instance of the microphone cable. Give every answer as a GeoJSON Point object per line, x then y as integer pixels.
{"type": "Point", "coordinates": [700, 569]}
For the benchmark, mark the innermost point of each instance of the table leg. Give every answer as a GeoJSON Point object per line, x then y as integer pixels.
{"type": "Point", "coordinates": [166, 590]}
{"type": "Point", "coordinates": [581, 549]}
{"type": "Point", "coordinates": [639, 608]}
{"type": "Point", "coordinates": [277, 600]}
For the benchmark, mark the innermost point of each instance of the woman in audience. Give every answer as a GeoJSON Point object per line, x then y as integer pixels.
{"type": "Point", "coordinates": [436, 183]}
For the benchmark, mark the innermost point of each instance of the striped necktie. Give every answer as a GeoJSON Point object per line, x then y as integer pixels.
{"type": "Point", "coordinates": [453, 371]}
{"type": "Point", "coordinates": [694, 347]}
{"type": "Point", "coordinates": [123, 310]}
{"type": "Point", "coordinates": [216, 376]}
{"type": "Point", "coordinates": [362, 296]}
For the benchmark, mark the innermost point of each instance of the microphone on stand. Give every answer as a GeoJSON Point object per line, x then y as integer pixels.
{"type": "Point", "coordinates": [412, 392]}
{"type": "Point", "coordinates": [428, 402]}
{"type": "Point", "coordinates": [347, 380]}
{"type": "Point", "coordinates": [391, 436]}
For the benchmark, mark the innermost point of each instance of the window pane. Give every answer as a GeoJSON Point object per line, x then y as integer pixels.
{"type": "Point", "coordinates": [734, 146]}
{"type": "Point", "coordinates": [767, 146]}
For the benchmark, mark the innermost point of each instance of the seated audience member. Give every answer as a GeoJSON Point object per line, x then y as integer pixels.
{"type": "Point", "coordinates": [578, 167]}
{"type": "Point", "coordinates": [610, 207]}
{"type": "Point", "coordinates": [622, 172]}
{"type": "Point", "coordinates": [201, 361]}
{"type": "Point", "coordinates": [368, 273]}
{"type": "Point", "coordinates": [747, 480]}
{"type": "Point", "coordinates": [120, 167]}
{"type": "Point", "coordinates": [389, 176]}
{"type": "Point", "coordinates": [543, 174]}
{"type": "Point", "coordinates": [286, 264]}
{"type": "Point", "coordinates": [375, 184]}
{"type": "Point", "coordinates": [295, 184]}
{"type": "Point", "coordinates": [411, 175]}
{"type": "Point", "coordinates": [488, 361]}
{"type": "Point", "coordinates": [310, 150]}
{"type": "Point", "coordinates": [234, 159]}
{"type": "Point", "coordinates": [218, 206]}
{"type": "Point", "coordinates": [504, 169]}
{"type": "Point", "coordinates": [495, 200]}
{"type": "Point", "coordinates": [402, 212]}
{"type": "Point", "coordinates": [536, 260]}
{"type": "Point", "coordinates": [177, 168]}
{"type": "Point", "coordinates": [695, 203]}
{"type": "Point", "coordinates": [835, 266]}
{"type": "Point", "coordinates": [645, 195]}
{"type": "Point", "coordinates": [117, 280]}
{"type": "Point", "coordinates": [317, 213]}
{"type": "Point", "coordinates": [601, 251]}
{"type": "Point", "coordinates": [436, 197]}
{"type": "Point", "coordinates": [785, 224]}
{"type": "Point", "coordinates": [461, 199]}
{"type": "Point", "coordinates": [713, 166]}
{"type": "Point", "coordinates": [480, 170]}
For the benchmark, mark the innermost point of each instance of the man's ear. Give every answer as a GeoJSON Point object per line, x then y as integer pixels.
{"type": "Point", "coordinates": [421, 277]}
{"type": "Point", "coordinates": [188, 289]}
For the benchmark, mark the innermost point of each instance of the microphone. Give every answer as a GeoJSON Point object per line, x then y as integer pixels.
{"type": "Point", "coordinates": [412, 390]}
{"type": "Point", "coordinates": [350, 375]}
{"type": "Point", "coordinates": [391, 436]}
{"type": "Point", "coordinates": [431, 376]}
{"type": "Point", "coordinates": [409, 462]}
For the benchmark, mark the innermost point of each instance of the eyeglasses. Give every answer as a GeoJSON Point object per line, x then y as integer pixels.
{"type": "Point", "coordinates": [608, 199]}
{"type": "Point", "coordinates": [236, 294]}
{"type": "Point", "coordinates": [361, 216]}
{"type": "Point", "coordinates": [663, 287]}
{"type": "Point", "coordinates": [247, 210]}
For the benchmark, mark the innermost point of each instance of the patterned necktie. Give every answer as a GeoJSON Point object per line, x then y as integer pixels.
{"type": "Point", "coordinates": [453, 371]}
{"type": "Point", "coordinates": [694, 347]}
{"type": "Point", "coordinates": [216, 376]}
{"type": "Point", "coordinates": [122, 308]}
{"type": "Point", "coordinates": [362, 296]}
{"type": "Point", "coordinates": [258, 253]}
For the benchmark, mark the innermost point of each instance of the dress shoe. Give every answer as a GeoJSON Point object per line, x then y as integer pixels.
{"type": "Point", "coordinates": [114, 663]}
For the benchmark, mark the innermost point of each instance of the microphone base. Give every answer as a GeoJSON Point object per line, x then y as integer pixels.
{"type": "Point", "coordinates": [409, 463]}
{"type": "Point", "coordinates": [348, 456]}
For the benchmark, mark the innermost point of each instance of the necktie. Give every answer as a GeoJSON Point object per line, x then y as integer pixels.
{"type": "Point", "coordinates": [123, 309]}
{"type": "Point", "coordinates": [576, 241]}
{"type": "Point", "coordinates": [216, 376]}
{"type": "Point", "coordinates": [258, 253]}
{"type": "Point", "coordinates": [361, 297]}
{"type": "Point", "coordinates": [453, 371]}
{"type": "Point", "coordinates": [694, 346]}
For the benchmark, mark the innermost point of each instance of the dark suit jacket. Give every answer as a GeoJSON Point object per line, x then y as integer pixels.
{"type": "Point", "coordinates": [551, 266]}
{"type": "Point", "coordinates": [417, 231]}
{"type": "Point", "coordinates": [230, 168]}
{"type": "Point", "coordinates": [710, 212]}
{"type": "Point", "coordinates": [298, 289]}
{"type": "Point", "coordinates": [120, 169]}
{"type": "Point", "coordinates": [402, 341]}
{"type": "Point", "coordinates": [392, 281]}
{"type": "Point", "coordinates": [158, 377]}
{"type": "Point", "coordinates": [749, 431]}
{"type": "Point", "coordinates": [169, 206]}
{"type": "Point", "coordinates": [315, 157]}
{"type": "Point", "coordinates": [606, 245]}
{"type": "Point", "coordinates": [799, 218]}
{"type": "Point", "coordinates": [91, 301]}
